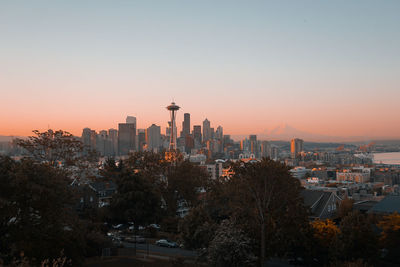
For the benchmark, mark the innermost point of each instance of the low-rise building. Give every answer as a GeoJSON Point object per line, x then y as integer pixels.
{"type": "Point", "coordinates": [299, 172]}
{"type": "Point", "coordinates": [323, 204]}
{"type": "Point", "coordinates": [356, 175]}
{"type": "Point", "coordinates": [390, 204]}
{"type": "Point", "coordinates": [104, 191]}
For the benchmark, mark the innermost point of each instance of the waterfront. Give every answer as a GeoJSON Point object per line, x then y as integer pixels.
{"type": "Point", "coordinates": [387, 158]}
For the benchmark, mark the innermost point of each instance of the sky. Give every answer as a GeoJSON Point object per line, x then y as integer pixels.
{"type": "Point", "coordinates": [323, 67]}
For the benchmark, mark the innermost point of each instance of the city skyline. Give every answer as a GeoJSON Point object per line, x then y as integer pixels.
{"type": "Point", "coordinates": [329, 69]}
{"type": "Point", "coordinates": [282, 132]}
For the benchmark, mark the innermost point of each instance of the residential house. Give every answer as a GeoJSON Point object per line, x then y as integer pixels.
{"type": "Point", "coordinates": [104, 191]}
{"type": "Point", "coordinates": [322, 204]}
{"type": "Point", "coordinates": [390, 204]}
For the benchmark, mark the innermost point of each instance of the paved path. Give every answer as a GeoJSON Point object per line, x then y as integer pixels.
{"type": "Point", "coordinates": [162, 250]}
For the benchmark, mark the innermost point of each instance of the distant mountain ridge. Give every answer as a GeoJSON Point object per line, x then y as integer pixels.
{"type": "Point", "coordinates": [286, 133]}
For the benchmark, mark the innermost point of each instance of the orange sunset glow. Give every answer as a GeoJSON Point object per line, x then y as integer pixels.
{"type": "Point", "coordinates": [251, 79]}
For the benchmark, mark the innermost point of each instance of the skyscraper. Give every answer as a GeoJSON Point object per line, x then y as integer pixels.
{"type": "Point", "coordinates": [253, 144]}
{"type": "Point", "coordinates": [102, 143]}
{"type": "Point", "coordinates": [131, 119]}
{"type": "Point", "coordinates": [185, 125]}
{"type": "Point", "coordinates": [153, 138]}
{"type": "Point", "coordinates": [113, 137]}
{"type": "Point", "coordinates": [141, 139]}
{"type": "Point", "coordinates": [296, 146]}
{"type": "Point", "coordinates": [197, 135]}
{"type": "Point", "coordinates": [265, 149]}
{"type": "Point", "coordinates": [245, 145]}
{"type": "Point", "coordinates": [206, 130]}
{"type": "Point", "coordinates": [189, 143]}
{"type": "Point", "coordinates": [219, 133]}
{"type": "Point", "coordinates": [126, 138]}
{"type": "Point", "coordinates": [89, 137]}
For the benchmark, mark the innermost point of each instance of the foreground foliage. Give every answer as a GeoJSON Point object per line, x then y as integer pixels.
{"type": "Point", "coordinates": [230, 247]}
{"type": "Point", "coordinates": [37, 215]}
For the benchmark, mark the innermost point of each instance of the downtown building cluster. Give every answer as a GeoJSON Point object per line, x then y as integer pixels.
{"type": "Point", "coordinates": [198, 143]}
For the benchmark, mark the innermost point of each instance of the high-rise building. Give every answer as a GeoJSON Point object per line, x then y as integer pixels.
{"type": "Point", "coordinates": [89, 137]}
{"type": "Point", "coordinates": [153, 138]}
{"type": "Point", "coordinates": [253, 145]}
{"type": "Point", "coordinates": [265, 149]}
{"type": "Point", "coordinates": [245, 145]}
{"type": "Point", "coordinates": [274, 152]}
{"type": "Point", "coordinates": [126, 138]}
{"type": "Point", "coordinates": [197, 135]}
{"type": "Point", "coordinates": [296, 146]}
{"type": "Point", "coordinates": [189, 143]}
{"type": "Point", "coordinates": [86, 137]}
{"type": "Point", "coordinates": [227, 139]}
{"type": "Point", "coordinates": [206, 130]}
{"type": "Point", "coordinates": [131, 119]}
{"type": "Point", "coordinates": [141, 139]}
{"type": "Point", "coordinates": [219, 133]}
{"type": "Point", "coordinates": [113, 137]}
{"type": "Point", "coordinates": [102, 143]}
{"type": "Point", "coordinates": [185, 125]}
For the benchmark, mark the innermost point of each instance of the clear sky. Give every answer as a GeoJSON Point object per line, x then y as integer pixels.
{"type": "Point", "coordinates": [326, 67]}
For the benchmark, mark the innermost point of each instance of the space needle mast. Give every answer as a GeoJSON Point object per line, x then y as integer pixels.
{"type": "Point", "coordinates": [172, 110]}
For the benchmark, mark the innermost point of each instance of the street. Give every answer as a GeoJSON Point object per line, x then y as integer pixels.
{"type": "Point", "coordinates": [162, 250]}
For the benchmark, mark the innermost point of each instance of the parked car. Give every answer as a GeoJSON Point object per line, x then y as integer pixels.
{"type": "Point", "coordinates": [119, 226]}
{"type": "Point", "coordinates": [166, 243]}
{"type": "Point", "coordinates": [155, 226]}
{"type": "Point", "coordinates": [132, 228]}
{"type": "Point", "coordinates": [137, 239]}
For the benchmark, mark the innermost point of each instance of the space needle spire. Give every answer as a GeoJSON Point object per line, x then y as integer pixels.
{"type": "Point", "coordinates": [173, 108]}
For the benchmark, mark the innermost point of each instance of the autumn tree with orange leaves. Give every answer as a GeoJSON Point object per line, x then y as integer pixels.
{"type": "Point", "coordinates": [390, 236]}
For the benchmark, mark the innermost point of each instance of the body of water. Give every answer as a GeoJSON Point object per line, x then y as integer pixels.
{"type": "Point", "coordinates": [387, 158]}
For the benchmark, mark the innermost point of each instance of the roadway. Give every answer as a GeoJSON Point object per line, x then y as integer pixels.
{"type": "Point", "coordinates": [162, 250]}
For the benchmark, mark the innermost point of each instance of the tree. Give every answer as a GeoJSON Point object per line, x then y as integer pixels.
{"type": "Point", "coordinates": [182, 184]}
{"type": "Point", "coordinates": [265, 199]}
{"type": "Point", "coordinates": [38, 217]}
{"type": "Point", "coordinates": [60, 148]}
{"type": "Point", "coordinates": [111, 170]}
{"type": "Point", "coordinates": [324, 233]}
{"type": "Point", "coordinates": [53, 147]}
{"type": "Point", "coordinates": [356, 239]}
{"type": "Point", "coordinates": [175, 182]}
{"type": "Point", "coordinates": [390, 236]}
{"type": "Point", "coordinates": [196, 229]}
{"type": "Point", "coordinates": [345, 207]}
{"type": "Point", "coordinates": [230, 247]}
{"type": "Point", "coordinates": [136, 199]}
{"type": "Point", "coordinates": [151, 165]}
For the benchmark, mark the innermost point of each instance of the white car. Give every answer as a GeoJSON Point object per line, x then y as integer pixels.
{"type": "Point", "coordinates": [166, 243]}
{"type": "Point", "coordinates": [155, 226]}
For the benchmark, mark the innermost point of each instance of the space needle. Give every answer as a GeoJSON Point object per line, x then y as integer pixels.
{"type": "Point", "coordinates": [173, 108]}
